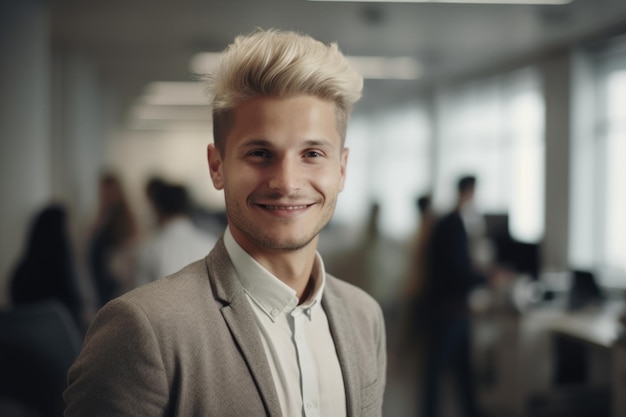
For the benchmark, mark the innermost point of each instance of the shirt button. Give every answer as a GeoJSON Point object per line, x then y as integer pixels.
{"type": "Point", "coordinates": [274, 313]}
{"type": "Point", "coordinates": [310, 405]}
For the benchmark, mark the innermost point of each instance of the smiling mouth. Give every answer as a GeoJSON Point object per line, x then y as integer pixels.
{"type": "Point", "coordinates": [296, 207]}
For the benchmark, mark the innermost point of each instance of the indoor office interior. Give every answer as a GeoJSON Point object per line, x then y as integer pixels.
{"type": "Point", "coordinates": [99, 98]}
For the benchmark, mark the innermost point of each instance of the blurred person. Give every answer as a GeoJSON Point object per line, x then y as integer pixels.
{"type": "Point", "coordinates": [112, 241]}
{"type": "Point", "coordinates": [210, 220]}
{"type": "Point", "coordinates": [47, 267]}
{"type": "Point", "coordinates": [257, 328]}
{"type": "Point", "coordinates": [451, 278]}
{"type": "Point", "coordinates": [177, 241]}
{"type": "Point", "coordinates": [408, 329]}
{"type": "Point", "coordinates": [365, 260]}
{"type": "Point", "coordinates": [480, 245]}
{"type": "Point", "coordinates": [418, 263]}
{"type": "Point", "coordinates": [349, 253]}
{"type": "Point", "coordinates": [412, 319]}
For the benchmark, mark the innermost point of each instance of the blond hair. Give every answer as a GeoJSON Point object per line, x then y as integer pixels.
{"type": "Point", "coordinates": [280, 64]}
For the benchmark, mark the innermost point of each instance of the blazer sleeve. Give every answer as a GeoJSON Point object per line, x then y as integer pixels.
{"type": "Point", "coordinates": [372, 395]}
{"type": "Point", "coordinates": [119, 371]}
{"type": "Point", "coordinates": [382, 350]}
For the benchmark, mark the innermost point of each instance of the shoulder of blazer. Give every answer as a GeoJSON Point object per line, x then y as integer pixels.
{"type": "Point", "coordinates": [212, 279]}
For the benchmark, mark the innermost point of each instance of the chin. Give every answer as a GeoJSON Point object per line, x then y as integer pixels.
{"type": "Point", "coordinates": [287, 244]}
{"type": "Point", "coordinates": [282, 242]}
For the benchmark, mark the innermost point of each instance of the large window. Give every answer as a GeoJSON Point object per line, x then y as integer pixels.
{"type": "Point", "coordinates": [615, 207]}
{"type": "Point", "coordinates": [598, 225]}
{"type": "Point", "coordinates": [389, 164]}
{"type": "Point", "coordinates": [494, 130]}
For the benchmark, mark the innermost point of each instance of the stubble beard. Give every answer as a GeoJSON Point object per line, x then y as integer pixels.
{"type": "Point", "coordinates": [237, 218]}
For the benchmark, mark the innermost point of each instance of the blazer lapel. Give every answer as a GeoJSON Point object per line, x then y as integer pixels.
{"type": "Point", "coordinates": [241, 321]}
{"type": "Point", "coordinates": [342, 335]}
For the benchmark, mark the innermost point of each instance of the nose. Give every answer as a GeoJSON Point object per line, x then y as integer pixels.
{"type": "Point", "coordinates": [285, 176]}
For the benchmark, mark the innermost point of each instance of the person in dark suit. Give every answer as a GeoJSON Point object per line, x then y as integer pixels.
{"type": "Point", "coordinates": [452, 276]}
{"type": "Point", "coordinates": [257, 328]}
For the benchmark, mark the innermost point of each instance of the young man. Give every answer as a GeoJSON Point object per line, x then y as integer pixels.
{"type": "Point", "coordinates": [257, 328]}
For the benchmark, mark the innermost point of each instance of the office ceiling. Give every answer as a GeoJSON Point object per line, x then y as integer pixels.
{"type": "Point", "coordinates": [134, 42]}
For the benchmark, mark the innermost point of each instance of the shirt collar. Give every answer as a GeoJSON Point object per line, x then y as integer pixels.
{"type": "Point", "coordinates": [271, 294]}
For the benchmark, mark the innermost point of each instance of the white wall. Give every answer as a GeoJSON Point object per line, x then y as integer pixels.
{"type": "Point", "coordinates": [79, 134]}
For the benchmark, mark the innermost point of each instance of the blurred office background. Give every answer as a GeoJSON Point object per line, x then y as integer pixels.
{"type": "Point", "coordinates": [530, 97]}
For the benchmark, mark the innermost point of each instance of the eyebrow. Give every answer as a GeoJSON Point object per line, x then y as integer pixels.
{"type": "Point", "coordinates": [322, 143]}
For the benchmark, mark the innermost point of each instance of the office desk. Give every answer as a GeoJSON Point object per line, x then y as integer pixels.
{"type": "Point", "coordinates": [519, 349]}
{"type": "Point", "coordinates": [587, 356]}
{"type": "Point", "coordinates": [602, 331]}
{"type": "Point", "coordinates": [597, 326]}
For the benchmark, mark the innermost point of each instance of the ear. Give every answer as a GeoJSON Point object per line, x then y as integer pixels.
{"type": "Point", "coordinates": [344, 165]}
{"type": "Point", "coordinates": [215, 166]}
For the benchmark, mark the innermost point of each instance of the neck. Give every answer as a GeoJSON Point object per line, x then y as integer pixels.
{"type": "Point", "coordinates": [294, 268]}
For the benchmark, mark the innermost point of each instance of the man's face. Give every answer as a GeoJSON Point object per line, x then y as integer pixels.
{"type": "Point", "coordinates": [282, 169]}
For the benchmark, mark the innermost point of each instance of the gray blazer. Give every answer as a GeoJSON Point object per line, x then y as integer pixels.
{"type": "Point", "coordinates": [187, 345]}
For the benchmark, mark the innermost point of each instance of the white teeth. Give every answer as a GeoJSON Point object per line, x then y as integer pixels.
{"type": "Point", "coordinates": [285, 207]}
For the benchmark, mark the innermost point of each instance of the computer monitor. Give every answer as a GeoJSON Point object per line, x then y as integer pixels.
{"type": "Point", "coordinates": [522, 257]}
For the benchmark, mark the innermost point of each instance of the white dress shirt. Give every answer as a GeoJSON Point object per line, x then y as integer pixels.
{"type": "Point", "coordinates": [297, 340]}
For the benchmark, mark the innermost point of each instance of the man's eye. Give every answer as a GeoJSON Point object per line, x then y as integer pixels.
{"type": "Point", "coordinates": [312, 154]}
{"type": "Point", "coordinates": [259, 154]}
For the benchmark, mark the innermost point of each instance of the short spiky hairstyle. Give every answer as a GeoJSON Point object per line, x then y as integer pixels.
{"type": "Point", "coordinates": [280, 64]}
